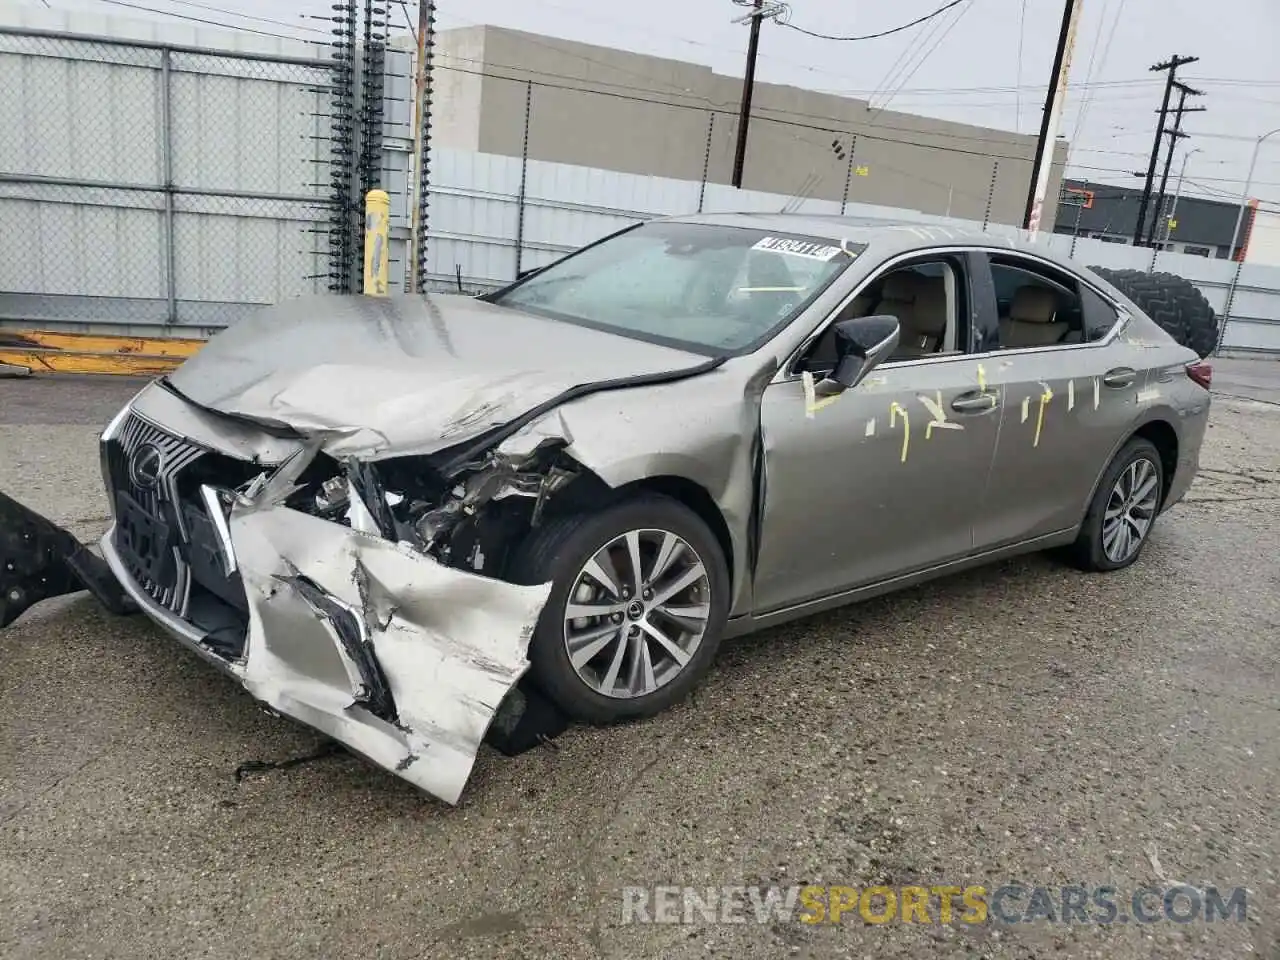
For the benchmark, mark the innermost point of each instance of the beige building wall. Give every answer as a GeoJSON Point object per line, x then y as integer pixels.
{"type": "Point", "coordinates": [600, 107]}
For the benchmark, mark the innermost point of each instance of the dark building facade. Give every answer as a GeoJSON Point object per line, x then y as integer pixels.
{"type": "Point", "coordinates": [1106, 212]}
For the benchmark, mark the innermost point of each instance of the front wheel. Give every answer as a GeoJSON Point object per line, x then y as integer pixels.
{"type": "Point", "coordinates": [1122, 511]}
{"type": "Point", "coordinates": [640, 595]}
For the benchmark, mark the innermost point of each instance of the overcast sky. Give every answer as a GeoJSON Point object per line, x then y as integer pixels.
{"type": "Point", "coordinates": [963, 65]}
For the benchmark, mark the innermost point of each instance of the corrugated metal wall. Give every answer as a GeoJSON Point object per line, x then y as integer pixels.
{"type": "Point", "coordinates": [146, 187]}
{"type": "Point", "coordinates": [145, 184]}
{"type": "Point", "coordinates": [1264, 237]}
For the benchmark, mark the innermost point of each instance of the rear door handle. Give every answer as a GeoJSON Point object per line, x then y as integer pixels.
{"type": "Point", "coordinates": [1120, 377]}
{"type": "Point", "coordinates": [975, 402]}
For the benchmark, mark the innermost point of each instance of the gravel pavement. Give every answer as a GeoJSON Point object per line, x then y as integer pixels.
{"type": "Point", "coordinates": [1021, 723]}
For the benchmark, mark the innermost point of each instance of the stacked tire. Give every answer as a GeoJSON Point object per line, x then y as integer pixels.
{"type": "Point", "coordinates": [1173, 302]}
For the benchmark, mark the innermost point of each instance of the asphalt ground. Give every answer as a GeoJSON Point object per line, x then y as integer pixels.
{"type": "Point", "coordinates": [1023, 723]}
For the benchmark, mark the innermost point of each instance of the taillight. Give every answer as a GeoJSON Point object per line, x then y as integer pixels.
{"type": "Point", "coordinates": [1201, 373]}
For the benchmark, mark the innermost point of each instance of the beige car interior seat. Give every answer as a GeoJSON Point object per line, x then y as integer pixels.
{"type": "Point", "coordinates": [920, 304]}
{"type": "Point", "coordinates": [1032, 320]}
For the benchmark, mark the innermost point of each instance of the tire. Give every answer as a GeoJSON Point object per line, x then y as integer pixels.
{"type": "Point", "coordinates": [560, 550]}
{"type": "Point", "coordinates": [1090, 551]}
{"type": "Point", "coordinates": [1172, 302]}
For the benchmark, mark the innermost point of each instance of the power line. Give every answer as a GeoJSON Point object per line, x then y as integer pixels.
{"type": "Point", "coordinates": [631, 25]}
{"type": "Point", "coordinates": [927, 54]}
{"type": "Point", "coordinates": [1231, 195]}
{"type": "Point", "coordinates": [724, 111]}
{"type": "Point", "coordinates": [246, 16]}
{"type": "Point", "coordinates": [904, 57]}
{"type": "Point", "coordinates": [953, 137]}
{"type": "Point", "coordinates": [872, 36]}
{"type": "Point", "coordinates": [1235, 81]}
{"type": "Point", "coordinates": [848, 92]}
{"type": "Point", "coordinates": [1240, 180]}
{"type": "Point", "coordinates": [959, 191]}
{"type": "Point", "coordinates": [714, 105]}
{"type": "Point", "coordinates": [998, 89]}
{"type": "Point", "coordinates": [1022, 36]}
{"type": "Point", "coordinates": [631, 92]}
{"type": "Point", "coordinates": [1087, 103]}
{"type": "Point", "coordinates": [613, 67]}
{"type": "Point", "coordinates": [1115, 153]}
{"type": "Point", "coordinates": [218, 23]}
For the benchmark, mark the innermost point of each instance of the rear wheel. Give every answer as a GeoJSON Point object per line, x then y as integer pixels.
{"type": "Point", "coordinates": [1123, 509]}
{"type": "Point", "coordinates": [1173, 302]}
{"type": "Point", "coordinates": [639, 598]}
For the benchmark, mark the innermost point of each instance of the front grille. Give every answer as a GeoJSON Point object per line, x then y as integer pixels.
{"type": "Point", "coordinates": [150, 527]}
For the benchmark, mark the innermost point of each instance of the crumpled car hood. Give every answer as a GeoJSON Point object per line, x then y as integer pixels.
{"type": "Point", "coordinates": [379, 377]}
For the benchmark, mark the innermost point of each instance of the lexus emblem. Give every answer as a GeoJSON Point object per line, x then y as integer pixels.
{"type": "Point", "coordinates": [145, 465]}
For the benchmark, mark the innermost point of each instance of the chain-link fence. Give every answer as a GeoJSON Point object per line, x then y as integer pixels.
{"type": "Point", "coordinates": [515, 206]}
{"type": "Point", "coordinates": [150, 187]}
{"type": "Point", "coordinates": [550, 180]}
{"type": "Point", "coordinates": [147, 185]}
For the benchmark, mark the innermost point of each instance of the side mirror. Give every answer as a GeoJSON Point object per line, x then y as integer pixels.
{"type": "Point", "coordinates": [862, 343]}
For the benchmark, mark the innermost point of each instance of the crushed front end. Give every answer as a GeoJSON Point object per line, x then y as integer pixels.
{"type": "Point", "coordinates": [363, 598]}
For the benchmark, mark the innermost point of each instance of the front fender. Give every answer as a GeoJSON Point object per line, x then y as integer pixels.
{"type": "Point", "coordinates": [705, 430]}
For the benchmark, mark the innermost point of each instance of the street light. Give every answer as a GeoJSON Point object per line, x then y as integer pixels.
{"type": "Point", "coordinates": [1244, 194]}
{"type": "Point", "coordinates": [1173, 208]}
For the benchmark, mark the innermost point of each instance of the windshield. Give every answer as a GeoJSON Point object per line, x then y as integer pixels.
{"type": "Point", "coordinates": [708, 288]}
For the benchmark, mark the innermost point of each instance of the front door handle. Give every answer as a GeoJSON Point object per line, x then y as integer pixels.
{"type": "Point", "coordinates": [1120, 377]}
{"type": "Point", "coordinates": [975, 402]}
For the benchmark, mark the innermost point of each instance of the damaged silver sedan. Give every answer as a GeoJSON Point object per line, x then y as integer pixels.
{"type": "Point", "coordinates": [381, 515]}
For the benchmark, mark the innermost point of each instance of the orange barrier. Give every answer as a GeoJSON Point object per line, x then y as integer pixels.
{"type": "Point", "coordinates": [43, 351]}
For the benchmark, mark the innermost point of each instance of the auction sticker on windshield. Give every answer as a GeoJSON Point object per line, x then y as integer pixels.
{"type": "Point", "coordinates": [808, 249]}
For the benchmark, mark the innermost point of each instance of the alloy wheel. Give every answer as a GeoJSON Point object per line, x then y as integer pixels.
{"type": "Point", "coordinates": [1130, 510]}
{"type": "Point", "coordinates": [637, 612]}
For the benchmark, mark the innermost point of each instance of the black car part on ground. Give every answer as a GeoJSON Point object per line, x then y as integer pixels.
{"type": "Point", "coordinates": [39, 560]}
{"type": "Point", "coordinates": [525, 719]}
{"type": "Point", "coordinates": [1173, 302]}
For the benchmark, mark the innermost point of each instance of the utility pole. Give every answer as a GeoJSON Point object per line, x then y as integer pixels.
{"type": "Point", "coordinates": [1236, 239]}
{"type": "Point", "coordinates": [1171, 65]}
{"type": "Point", "coordinates": [421, 138]}
{"type": "Point", "coordinates": [748, 85]}
{"type": "Point", "coordinates": [1177, 195]}
{"type": "Point", "coordinates": [1052, 119]}
{"type": "Point", "coordinates": [1175, 135]}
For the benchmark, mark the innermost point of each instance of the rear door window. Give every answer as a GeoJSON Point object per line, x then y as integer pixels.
{"type": "Point", "coordinates": [1100, 317]}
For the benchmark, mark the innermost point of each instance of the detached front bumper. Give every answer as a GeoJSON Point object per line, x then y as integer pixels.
{"type": "Point", "coordinates": [400, 658]}
{"type": "Point", "coordinates": [40, 560]}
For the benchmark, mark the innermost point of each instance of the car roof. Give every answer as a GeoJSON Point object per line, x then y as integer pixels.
{"type": "Point", "coordinates": [887, 237]}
